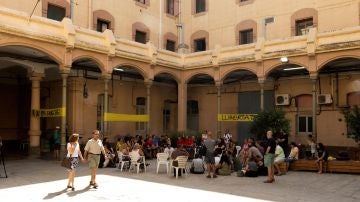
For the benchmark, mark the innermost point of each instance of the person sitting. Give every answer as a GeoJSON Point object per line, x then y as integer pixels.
{"type": "Point", "coordinates": [180, 151]}
{"type": "Point", "coordinates": [293, 156]}
{"type": "Point", "coordinates": [321, 157]}
{"type": "Point", "coordinates": [279, 158]}
{"type": "Point", "coordinates": [197, 165]}
{"type": "Point", "coordinates": [137, 153]}
{"type": "Point", "coordinates": [250, 170]}
{"type": "Point", "coordinates": [224, 167]}
{"type": "Point", "coordinates": [110, 160]}
{"type": "Point", "coordinates": [169, 149]}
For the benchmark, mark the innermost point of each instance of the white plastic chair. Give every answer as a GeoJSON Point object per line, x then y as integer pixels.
{"type": "Point", "coordinates": [182, 161]}
{"type": "Point", "coordinates": [134, 162]}
{"type": "Point", "coordinates": [121, 161]}
{"type": "Point", "coordinates": [238, 148]}
{"type": "Point", "coordinates": [162, 159]}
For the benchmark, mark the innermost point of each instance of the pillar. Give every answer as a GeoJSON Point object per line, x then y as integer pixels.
{"type": "Point", "coordinates": [148, 98]}
{"type": "Point", "coordinates": [106, 102]}
{"type": "Point", "coordinates": [314, 78]}
{"type": "Point", "coordinates": [34, 131]}
{"type": "Point", "coordinates": [64, 76]}
{"type": "Point", "coordinates": [182, 106]}
{"type": "Point", "coordinates": [218, 87]}
{"type": "Point", "coordinates": [261, 83]}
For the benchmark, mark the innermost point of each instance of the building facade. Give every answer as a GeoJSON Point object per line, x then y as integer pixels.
{"type": "Point", "coordinates": [180, 62]}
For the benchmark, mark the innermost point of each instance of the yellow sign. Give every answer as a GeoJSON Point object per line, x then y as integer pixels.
{"type": "Point", "coordinates": [49, 112]}
{"type": "Point", "coordinates": [236, 117]}
{"type": "Point", "coordinates": [126, 117]}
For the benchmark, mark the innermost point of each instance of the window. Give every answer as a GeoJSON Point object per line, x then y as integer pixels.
{"type": "Point", "coordinates": [102, 25]}
{"type": "Point", "coordinates": [141, 1]}
{"type": "Point", "coordinates": [246, 36]}
{"type": "Point", "coordinates": [304, 124]}
{"type": "Point", "coordinates": [166, 116]}
{"type": "Point", "coordinates": [243, 0]}
{"type": "Point", "coordinates": [140, 37]}
{"type": "Point", "coordinates": [170, 45]}
{"type": "Point", "coordinates": [55, 12]}
{"type": "Point", "coordinates": [170, 7]}
{"type": "Point", "coordinates": [199, 45]}
{"type": "Point", "coordinates": [302, 26]}
{"type": "Point", "coordinates": [193, 115]}
{"type": "Point", "coordinates": [140, 109]}
{"type": "Point", "coordinates": [200, 6]}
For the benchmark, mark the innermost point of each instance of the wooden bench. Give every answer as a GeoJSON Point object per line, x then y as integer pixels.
{"type": "Point", "coordinates": [329, 166]}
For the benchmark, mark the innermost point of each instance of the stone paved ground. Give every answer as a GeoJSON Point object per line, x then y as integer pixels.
{"type": "Point", "coordinates": [34, 179]}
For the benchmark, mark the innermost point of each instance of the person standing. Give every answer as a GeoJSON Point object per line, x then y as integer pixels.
{"type": "Point", "coordinates": [73, 153]}
{"type": "Point", "coordinates": [93, 149]}
{"type": "Point", "coordinates": [57, 142]}
{"type": "Point", "coordinates": [270, 156]}
{"type": "Point", "coordinates": [209, 156]}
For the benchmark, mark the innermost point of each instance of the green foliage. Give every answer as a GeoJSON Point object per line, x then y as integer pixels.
{"type": "Point", "coordinates": [270, 120]}
{"type": "Point", "coordinates": [352, 118]}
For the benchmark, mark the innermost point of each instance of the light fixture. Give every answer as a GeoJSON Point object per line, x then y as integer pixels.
{"type": "Point", "coordinates": [118, 69]}
{"type": "Point", "coordinates": [284, 59]}
{"type": "Point", "coordinates": [293, 68]}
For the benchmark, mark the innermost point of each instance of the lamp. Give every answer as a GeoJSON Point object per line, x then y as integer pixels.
{"type": "Point", "coordinates": [284, 59]}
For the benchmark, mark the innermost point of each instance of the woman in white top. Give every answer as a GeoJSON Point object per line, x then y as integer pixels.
{"type": "Point", "coordinates": [73, 153]}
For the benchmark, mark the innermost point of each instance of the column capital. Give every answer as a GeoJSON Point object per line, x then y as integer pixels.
{"type": "Point", "coordinates": [35, 76]}
{"type": "Point", "coordinates": [64, 71]}
{"type": "Point", "coordinates": [261, 80]}
{"type": "Point", "coordinates": [313, 76]}
{"type": "Point", "coordinates": [106, 77]}
{"type": "Point", "coordinates": [218, 83]}
{"type": "Point", "coordinates": [148, 82]}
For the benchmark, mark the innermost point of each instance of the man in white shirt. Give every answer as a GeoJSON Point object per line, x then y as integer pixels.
{"type": "Point", "coordinates": [227, 136]}
{"type": "Point", "coordinates": [93, 150]}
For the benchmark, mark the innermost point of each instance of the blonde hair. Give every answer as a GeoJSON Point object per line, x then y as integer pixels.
{"type": "Point", "coordinates": [74, 137]}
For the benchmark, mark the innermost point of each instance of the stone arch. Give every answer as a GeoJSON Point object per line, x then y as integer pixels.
{"type": "Point", "coordinates": [59, 3]}
{"type": "Point", "coordinates": [190, 76]}
{"type": "Point", "coordinates": [142, 72]}
{"type": "Point", "coordinates": [229, 71]}
{"type": "Point", "coordinates": [44, 49]}
{"type": "Point", "coordinates": [322, 65]}
{"type": "Point", "coordinates": [303, 14]}
{"type": "Point", "coordinates": [139, 26]}
{"type": "Point", "coordinates": [174, 76]}
{"type": "Point", "coordinates": [103, 15]}
{"type": "Point", "coordinates": [97, 61]}
{"type": "Point", "coordinates": [245, 25]}
{"type": "Point", "coordinates": [199, 35]}
{"type": "Point", "coordinates": [268, 70]}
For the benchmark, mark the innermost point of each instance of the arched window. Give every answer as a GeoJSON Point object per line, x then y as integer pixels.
{"type": "Point", "coordinates": [200, 41]}
{"type": "Point", "coordinates": [103, 20]}
{"type": "Point", "coordinates": [302, 20]}
{"type": "Point", "coordinates": [246, 32]}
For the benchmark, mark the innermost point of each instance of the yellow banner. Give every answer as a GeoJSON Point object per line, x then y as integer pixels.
{"type": "Point", "coordinates": [126, 117]}
{"type": "Point", "coordinates": [57, 112]}
{"type": "Point", "coordinates": [236, 117]}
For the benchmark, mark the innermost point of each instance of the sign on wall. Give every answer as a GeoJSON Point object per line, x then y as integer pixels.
{"type": "Point", "coordinates": [57, 112]}
{"type": "Point", "coordinates": [236, 117]}
{"type": "Point", "coordinates": [126, 117]}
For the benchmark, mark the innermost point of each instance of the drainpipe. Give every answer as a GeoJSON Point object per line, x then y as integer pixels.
{"type": "Point", "coordinates": [160, 27]}
{"type": "Point", "coordinates": [180, 27]}
{"type": "Point", "coordinates": [90, 14]}
{"type": "Point", "coordinates": [72, 10]}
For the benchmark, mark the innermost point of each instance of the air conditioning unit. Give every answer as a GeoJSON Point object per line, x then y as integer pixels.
{"type": "Point", "coordinates": [324, 99]}
{"type": "Point", "coordinates": [282, 99]}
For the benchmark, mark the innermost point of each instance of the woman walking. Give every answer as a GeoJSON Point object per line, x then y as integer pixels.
{"type": "Point", "coordinates": [73, 153]}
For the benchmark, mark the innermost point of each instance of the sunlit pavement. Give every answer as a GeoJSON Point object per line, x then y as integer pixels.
{"type": "Point", "coordinates": [37, 180]}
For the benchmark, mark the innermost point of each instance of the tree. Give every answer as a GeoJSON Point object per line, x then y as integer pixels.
{"type": "Point", "coordinates": [270, 120]}
{"type": "Point", "coordinates": [352, 118]}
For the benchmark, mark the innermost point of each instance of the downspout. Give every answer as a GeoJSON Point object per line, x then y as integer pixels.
{"type": "Point", "coordinates": [160, 27]}
{"type": "Point", "coordinates": [90, 14]}
{"type": "Point", "coordinates": [72, 10]}
{"type": "Point", "coordinates": [180, 28]}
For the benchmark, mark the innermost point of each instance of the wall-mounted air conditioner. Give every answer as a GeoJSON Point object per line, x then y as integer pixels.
{"type": "Point", "coordinates": [324, 99]}
{"type": "Point", "coordinates": [282, 99]}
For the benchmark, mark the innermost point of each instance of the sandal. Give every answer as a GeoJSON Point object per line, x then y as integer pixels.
{"type": "Point", "coordinates": [268, 181]}
{"type": "Point", "coordinates": [208, 176]}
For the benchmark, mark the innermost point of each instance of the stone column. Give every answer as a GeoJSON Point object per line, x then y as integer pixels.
{"type": "Point", "coordinates": [218, 126]}
{"type": "Point", "coordinates": [64, 76]}
{"type": "Point", "coordinates": [148, 97]}
{"type": "Point", "coordinates": [182, 106]}
{"type": "Point", "coordinates": [75, 105]}
{"type": "Point", "coordinates": [261, 83]}
{"type": "Point", "coordinates": [106, 103]}
{"type": "Point", "coordinates": [314, 78]}
{"type": "Point", "coordinates": [34, 131]}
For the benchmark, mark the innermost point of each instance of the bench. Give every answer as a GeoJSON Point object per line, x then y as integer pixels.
{"type": "Point", "coordinates": [330, 166]}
